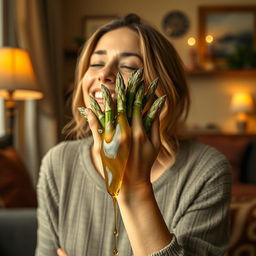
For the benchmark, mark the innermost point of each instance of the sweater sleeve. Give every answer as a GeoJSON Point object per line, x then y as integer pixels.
{"type": "Point", "coordinates": [203, 226]}
{"type": "Point", "coordinates": [47, 212]}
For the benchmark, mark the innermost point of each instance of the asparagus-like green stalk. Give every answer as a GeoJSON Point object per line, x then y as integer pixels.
{"type": "Point", "coordinates": [137, 106]}
{"type": "Point", "coordinates": [133, 83]}
{"type": "Point", "coordinates": [109, 113]}
{"type": "Point", "coordinates": [97, 110]}
{"type": "Point", "coordinates": [120, 94]}
{"type": "Point", "coordinates": [108, 104]}
{"type": "Point", "coordinates": [82, 112]}
{"type": "Point", "coordinates": [150, 92]}
{"type": "Point", "coordinates": [153, 111]}
{"type": "Point", "coordinates": [139, 97]}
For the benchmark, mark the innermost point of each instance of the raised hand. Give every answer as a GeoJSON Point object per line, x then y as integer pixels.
{"type": "Point", "coordinates": [121, 135]}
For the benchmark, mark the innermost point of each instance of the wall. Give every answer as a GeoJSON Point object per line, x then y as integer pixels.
{"type": "Point", "coordinates": [210, 95]}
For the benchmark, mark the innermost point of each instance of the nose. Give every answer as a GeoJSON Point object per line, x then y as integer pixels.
{"type": "Point", "coordinates": [107, 76]}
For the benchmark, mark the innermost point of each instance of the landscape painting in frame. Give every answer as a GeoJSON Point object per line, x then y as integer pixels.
{"type": "Point", "coordinates": [232, 31]}
{"type": "Point", "coordinates": [92, 23]}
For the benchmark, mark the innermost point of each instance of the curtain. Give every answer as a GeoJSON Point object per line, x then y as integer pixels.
{"type": "Point", "coordinates": [38, 29]}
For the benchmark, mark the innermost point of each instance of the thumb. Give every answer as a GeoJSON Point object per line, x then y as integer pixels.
{"type": "Point", "coordinates": [61, 252]}
{"type": "Point", "coordinates": [95, 127]}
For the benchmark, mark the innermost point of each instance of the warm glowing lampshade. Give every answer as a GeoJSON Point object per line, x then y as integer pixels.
{"type": "Point", "coordinates": [241, 103]}
{"type": "Point", "coordinates": [17, 75]}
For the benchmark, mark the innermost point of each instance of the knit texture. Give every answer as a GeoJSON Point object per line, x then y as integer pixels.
{"type": "Point", "coordinates": [76, 213]}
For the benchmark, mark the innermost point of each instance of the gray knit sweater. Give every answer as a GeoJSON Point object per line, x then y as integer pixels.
{"type": "Point", "coordinates": [76, 213]}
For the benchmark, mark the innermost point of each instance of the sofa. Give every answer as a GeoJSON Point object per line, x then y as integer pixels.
{"type": "Point", "coordinates": [17, 204]}
{"type": "Point", "coordinates": [18, 225]}
{"type": "Point", "coordinates": [240, 149]}
{"type": "Point", "coordinates": [18, 232]}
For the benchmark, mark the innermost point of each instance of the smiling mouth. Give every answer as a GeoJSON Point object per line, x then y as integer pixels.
{"type": "Point", "coordinates": [98, 95]}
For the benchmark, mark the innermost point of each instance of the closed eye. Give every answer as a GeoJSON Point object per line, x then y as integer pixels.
{"type": "Point", "coordinates": [128, 67]}
{"type": "Point", "coordinates": [96, 65]}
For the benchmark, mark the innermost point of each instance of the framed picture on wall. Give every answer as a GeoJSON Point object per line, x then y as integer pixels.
{"type": "Point", "coordinates": [91, 23]}
{"type": "Point", "coordinates": [227, 36]}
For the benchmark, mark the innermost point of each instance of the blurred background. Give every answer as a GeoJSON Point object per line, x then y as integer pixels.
{"type": "Point", "coordinates": [213, 39]}
{"type": "Point", "coordinates": [40, 42]}
{"type": "Point", "coordinates": [53, 33]}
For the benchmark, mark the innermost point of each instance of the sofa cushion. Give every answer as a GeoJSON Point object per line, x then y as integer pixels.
{"type": "Point", "coordinates": [248, 174]}
{"type": "Point", "coordinates": [243, 220]}
{"type": "Point", "coordinates": [16, 189]}
{"type": "Point", "coordinates": [18, 232]}
{"type": "Point", "coordinates": [234, 147]}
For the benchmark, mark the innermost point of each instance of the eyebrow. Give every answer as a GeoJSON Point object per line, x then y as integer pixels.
{"type": "Point", "coordinates": [123, 54]}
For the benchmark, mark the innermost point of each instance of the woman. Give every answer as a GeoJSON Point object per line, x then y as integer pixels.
{"type": "Point", "coordinates": [174, 198]}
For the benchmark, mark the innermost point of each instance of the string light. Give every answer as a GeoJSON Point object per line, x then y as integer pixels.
{"type": "Point", "coordinates": [191, 41]}
{"type": "Point", "coordinates": [209, 39]}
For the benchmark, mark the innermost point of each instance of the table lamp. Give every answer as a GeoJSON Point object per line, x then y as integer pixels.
{"type": "Point", "coordinates": [241, 106]}
{"type": "Point", "coordinates": [17, 81]}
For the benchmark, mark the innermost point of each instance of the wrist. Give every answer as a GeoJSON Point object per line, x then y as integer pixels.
{"type": "Point", "coordinates": [135, 194]}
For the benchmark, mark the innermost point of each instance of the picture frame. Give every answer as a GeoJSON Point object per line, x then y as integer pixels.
{"type": "Point", "coordinates": [231, 32]}
{"type": "Point", "coordinates": [92, 22]}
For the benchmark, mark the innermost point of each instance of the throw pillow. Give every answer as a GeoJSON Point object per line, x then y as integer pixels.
{"type": "Point", "coordinates": [16, 189]}
{"type": "Point", "coordinates": [243, 221]}
{"type": "Point", "coordinates": [232, 146]}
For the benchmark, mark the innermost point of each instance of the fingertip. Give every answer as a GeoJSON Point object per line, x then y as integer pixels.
{"type": "Point", "coordinates": [60, 252]}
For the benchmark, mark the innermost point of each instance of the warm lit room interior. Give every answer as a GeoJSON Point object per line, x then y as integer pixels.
{"type": "Point", "coordinates": [43, 39]}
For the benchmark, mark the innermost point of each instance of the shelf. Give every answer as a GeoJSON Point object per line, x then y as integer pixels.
{"type": "Point", "coordinates": [222, 73]}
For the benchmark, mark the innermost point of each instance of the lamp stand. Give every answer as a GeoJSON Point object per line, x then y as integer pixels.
{"type": "Point", "coordinates": [10, 113]}
{"type": "Point", "coordinates": [241, 122]}
{"type": "Point", "coordinates": [241, 126]}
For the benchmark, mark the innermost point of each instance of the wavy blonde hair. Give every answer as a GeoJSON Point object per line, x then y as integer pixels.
{"type": "Point", "coordinates": [160, 59]}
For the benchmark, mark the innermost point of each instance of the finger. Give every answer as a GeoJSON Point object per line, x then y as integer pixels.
{"type": "Point", "coordinates": [134, 82]}
{"type": "Point", "coordinates": [97, 110]}
{"type": "Point", "coordinates": [154, 110]}
{"type": "Point", "coordinates": [155, 133]}
{"type": "Point", "coordinates": [61, 252]}
{"type": "Point", "coordinates": [150, 92]}
{"type": "Point", "coordinates": [137, 109]}
{"type": "Point", "coordinates": [94, 126]}
{"type": "Point", "coordinates": [137, 119]}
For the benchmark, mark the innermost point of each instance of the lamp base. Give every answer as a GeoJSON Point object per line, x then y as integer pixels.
{"type": "Point", "coordinates": [241, 126]}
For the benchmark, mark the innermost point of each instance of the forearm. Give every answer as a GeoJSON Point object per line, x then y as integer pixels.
{"type": "Point", "coordinates": [143, 221]}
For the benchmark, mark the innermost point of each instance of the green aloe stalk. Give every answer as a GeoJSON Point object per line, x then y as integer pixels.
{"type": "Point", "coordinates": [133, 83]}
{"type": "Point", "coordinates": [153, 111]}
{"type": "Point", "coordinates": [120, 94]}
{"type": "Point", "coordinates": [97, 110]}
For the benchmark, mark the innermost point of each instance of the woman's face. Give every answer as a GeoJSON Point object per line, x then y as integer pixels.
{"type": "Point", "coordinates": [116, 51]}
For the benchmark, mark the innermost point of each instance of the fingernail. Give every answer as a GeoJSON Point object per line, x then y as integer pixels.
{"type": "Point", "coordinates": [100, 131]}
